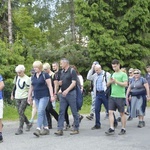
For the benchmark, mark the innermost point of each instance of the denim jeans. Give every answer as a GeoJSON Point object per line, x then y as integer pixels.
{"type": "Point", "coordinates": [41, 105]}
{"type": "Point", "coordinates": [100, 99]}
{"type": "Point", "coordinates": [70, 100]}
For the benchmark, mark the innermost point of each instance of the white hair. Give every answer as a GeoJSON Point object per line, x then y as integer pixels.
{"type": "Point", "coordinates": [20, 68]}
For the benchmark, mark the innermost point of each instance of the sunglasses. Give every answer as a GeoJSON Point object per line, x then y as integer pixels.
{"type": "Point", "coordinates": [136, 73]}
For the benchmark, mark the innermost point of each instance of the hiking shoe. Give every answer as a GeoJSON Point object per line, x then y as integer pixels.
{"type": "Point", "coordinates": [19, 131]}
{"type": "Point", "coordinates": [74, 132]}
{"type": "Point", "coordinates": [115, 124]}
{"type": "Point", "coordinates": [123, 131]}
{"type": "Point", "coordinates": [129, 118]}
{"type": "Point", "coordinates": [28, 126]}
{"type": "Point", "coordinates": [80, 118]}
{"type": "Point", "coordinates": [59, 133]}
{"type": "Point", "coordinates": [66, 127]}
{"type": "Point", "coordinates": [90, 117]}
{"type": "Point", "coordinates": [44, 132]}
{"type": "Point", "coordinates": [95, 127]}
{"type": "Point", "coordinates": [37, 132]}
{"type": "Point", "coordinates": [140, 125]}
{"type": "Point", "coordinates": [110, 131]}
{"type": "Point", "coordinates": [1, 138]}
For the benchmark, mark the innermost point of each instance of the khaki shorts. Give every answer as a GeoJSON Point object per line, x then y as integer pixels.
{"type": "Point", "coordinates": [1, 108]}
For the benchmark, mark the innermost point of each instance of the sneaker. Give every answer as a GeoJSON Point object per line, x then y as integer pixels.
{"type": "Point", "coordinates": [66, 127]}
{"type": "Point", "coordinates": [140, 125]}
{"type": "Point", "coordinates": [28, 126]}
{"type": "Point", "coordinates": [59, 133]}
{"type": "Point", "coordinates": [1, 138]}
{"type": "Point", "coordinates": [129, 118]}
{"type": "Point", "coordinates": [123, 131]}
{"type": "Point", "coordinates": [95, 127]}
{"type": "Point", "coordinates": [90, 117]}
{"type": "Point", "coordinates": [19, 131]}
{"type": "Point", "coordinates": [74, 132]}
{"type": "Point", "coordinates": [115, 124]}
{"type": "Point", "coordinates": [110, 131]}
{"type": "Point", "coordinates": [44, 132]}
{"type": "Point", "coordinates": [80, 118]}
{"type": "Point", "coordinates": [37, 132]}
{"type": "Point", "coordinates": [127, 113]}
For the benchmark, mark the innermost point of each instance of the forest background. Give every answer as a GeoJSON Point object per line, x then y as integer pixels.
{"type": "Point", "coordinates": [81, 30]}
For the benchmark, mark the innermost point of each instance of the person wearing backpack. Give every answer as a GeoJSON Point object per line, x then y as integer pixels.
{"type": "Point", "coordinates": [99, 89]}
{"type": "Point", "coordinates": [49, 109]}
{"type": "Point", "coordinates": [67, 82]}
{"type": "Point", "coordinates": [1, 107]}
{"type": "Point", "coordinates": [20, 93]}
{"type": "Point", "coordinates": [118, 82]}
{"type": "Point", "coordinates": [139, 91]}
{"type": "Point", "coordinates": [41, 86]}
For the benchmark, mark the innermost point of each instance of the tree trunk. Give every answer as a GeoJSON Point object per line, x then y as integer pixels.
{"type": "Point", "coordinates": [9, 23]}
{"type": "Point", "coordinates": [72, 11]}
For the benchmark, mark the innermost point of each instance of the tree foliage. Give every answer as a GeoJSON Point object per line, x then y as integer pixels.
{"type": "Point", "coordinates": [116, 29]}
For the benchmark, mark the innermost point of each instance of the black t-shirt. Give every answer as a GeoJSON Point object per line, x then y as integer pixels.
{"type": "Point", "coordinates": [67, 77]}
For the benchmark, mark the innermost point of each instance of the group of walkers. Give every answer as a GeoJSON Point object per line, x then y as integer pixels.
{"type": "Point", "coordinates": [115, 91]}
{"type": "Point", "coordinates": [44, 86]}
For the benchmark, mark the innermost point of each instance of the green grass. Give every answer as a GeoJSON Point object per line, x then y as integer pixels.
{"type": "Point", "coordinates": [10, 111]}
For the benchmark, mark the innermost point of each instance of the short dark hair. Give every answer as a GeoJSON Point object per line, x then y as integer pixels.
{"type": "Point", "coordinates": [115, 61]}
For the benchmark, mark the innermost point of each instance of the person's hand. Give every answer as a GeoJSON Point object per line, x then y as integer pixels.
{"type": "Point", "coordinates": [64, 93]}
{"type": "Point", "coordinates": [52, 98]}
{"type": "Point", "coordinates": [148, 98]}
{"type": "Point", "coordinates": [30, 101]}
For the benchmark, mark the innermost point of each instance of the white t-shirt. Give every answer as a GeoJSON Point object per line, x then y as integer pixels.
{"type": "Point", "coordinates": [22, 86]}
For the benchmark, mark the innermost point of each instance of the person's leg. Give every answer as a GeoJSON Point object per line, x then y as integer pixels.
{"type": "Point", "coordinates": [48, 115]}
{"type": "Point", "coordinates": [42, 119]}
{"type": "Point", "coordinates": [71, 98]}
{"type": "Point", "coordinates": [67, 116]}
{"type": "Point", "coordinates": [92, 112]}
{"type": "Point", "coordinates": [62, 109]}
{"type": "Point", "coordinates": [98, 103]}
{"type": "Point", "coordinates": [34, 110]}
{"type": "Point", "coordinates": [1, 116]}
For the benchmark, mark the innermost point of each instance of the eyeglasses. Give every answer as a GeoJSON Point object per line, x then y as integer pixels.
{"type": "Point", "coordinates": [136, 73]}
{"type": "Point", "coordinates": [18, 72]}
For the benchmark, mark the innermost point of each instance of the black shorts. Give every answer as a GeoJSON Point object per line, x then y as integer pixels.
{"type": "Point", "coordinates": [116, 103]}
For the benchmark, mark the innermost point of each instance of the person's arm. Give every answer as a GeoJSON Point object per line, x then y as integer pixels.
{"type": "Point", "coordinates": [30, 94]}
{"type": "Point", "coordinates": [1, 85]}
{"type": "Point", "coordinates": [147, 90]}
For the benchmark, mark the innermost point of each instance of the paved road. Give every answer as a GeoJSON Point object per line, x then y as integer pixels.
{"type": "Point", "coordinates": [135, 138]}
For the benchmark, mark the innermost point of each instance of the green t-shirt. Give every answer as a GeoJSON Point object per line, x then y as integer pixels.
{"type": "Point", "coordinates": [117, 90]}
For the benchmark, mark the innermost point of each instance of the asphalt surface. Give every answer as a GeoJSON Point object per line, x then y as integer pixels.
{"type": "Point", "coordinates": [87, 139]}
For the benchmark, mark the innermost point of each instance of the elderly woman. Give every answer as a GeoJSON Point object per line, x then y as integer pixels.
{"type": "Point", "coordinates": [138, 89]}
{"type": "Point", "coordinates": [20, 91]}
{"type": "Point", "coordinates": [43, 92]}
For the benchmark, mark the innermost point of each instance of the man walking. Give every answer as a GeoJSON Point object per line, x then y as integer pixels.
{"type": "Point", "coordinates": [67, 82]}
{"type": "Point", "coordinates": [99, 79]}
{"type": "Point", "coordinates": [118, 82]}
